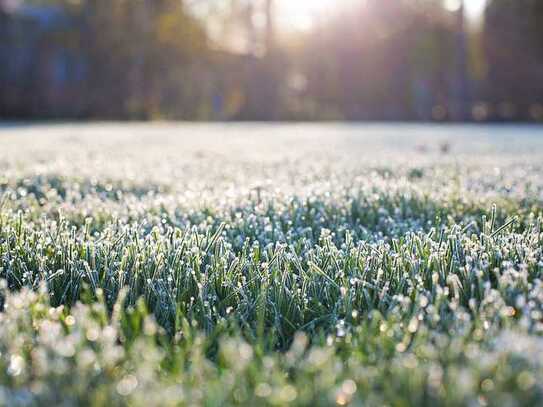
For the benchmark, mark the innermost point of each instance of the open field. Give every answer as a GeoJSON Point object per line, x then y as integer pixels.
{"type": "Point", "coordinates": [320, 265]}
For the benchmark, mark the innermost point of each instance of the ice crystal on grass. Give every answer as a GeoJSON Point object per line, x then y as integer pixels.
{"type": "Point", "coordinates": [350, 275]}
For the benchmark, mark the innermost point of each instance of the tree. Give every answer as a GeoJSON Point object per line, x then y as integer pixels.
{"type": "Point", "coordinates": [382, 60]}
{"type": "Point", "coordinates": [513, 41]}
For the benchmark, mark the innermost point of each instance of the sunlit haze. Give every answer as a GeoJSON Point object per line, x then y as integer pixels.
{"type": "Point", "coordinates": [474, 8]}
{"type": "Point", "coordinates": [302, 14]}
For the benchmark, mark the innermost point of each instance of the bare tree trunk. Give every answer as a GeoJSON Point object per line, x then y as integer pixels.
{"type": "Point", "coordinates": [461, 107]}
{"type": "Point", "coordinates": [270, 27]}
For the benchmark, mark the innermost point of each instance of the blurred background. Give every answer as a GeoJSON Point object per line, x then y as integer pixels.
{"type": "Point", "coordinates": [420, 60]}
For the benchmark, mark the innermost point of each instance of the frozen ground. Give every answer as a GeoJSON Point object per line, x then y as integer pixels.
{"type": "Point", "coordinates": [253, 264]}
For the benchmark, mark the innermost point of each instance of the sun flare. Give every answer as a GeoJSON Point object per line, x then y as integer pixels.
{"type": "Point", "coordinates": [301, 14]}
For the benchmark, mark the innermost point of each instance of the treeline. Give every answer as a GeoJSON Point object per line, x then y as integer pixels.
{"type": "Point", "coordinates": [103, 58]}
{"type": "Point", "coordinates": [375, 60]}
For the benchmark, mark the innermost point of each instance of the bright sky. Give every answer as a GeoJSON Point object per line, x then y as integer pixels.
{"type": "Point", "coordinates": [300, 14]}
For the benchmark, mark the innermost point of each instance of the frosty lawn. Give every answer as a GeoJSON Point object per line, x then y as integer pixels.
{"type": "Point", "coordinates": [281, 265]}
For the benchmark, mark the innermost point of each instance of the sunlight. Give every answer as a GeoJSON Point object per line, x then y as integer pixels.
{"type": "Point", "coordinates": [475, 8]}
{"type": "Point", "coordinates": [301, 14]}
